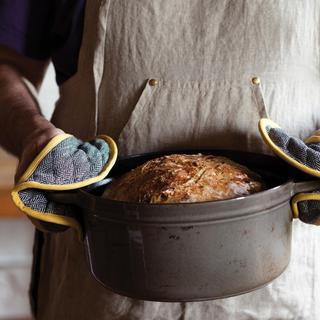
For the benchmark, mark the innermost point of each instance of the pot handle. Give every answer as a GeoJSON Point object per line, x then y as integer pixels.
{"type": "Point", "coordinates": [79, 197]}
{"type": "Point", "coordinates": [74, 197]}
{"type": "Point", "coordinates": [305, 203]}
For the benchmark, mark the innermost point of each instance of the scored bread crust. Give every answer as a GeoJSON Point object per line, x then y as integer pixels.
{"type": "Point", "coordinates": [181, 178]}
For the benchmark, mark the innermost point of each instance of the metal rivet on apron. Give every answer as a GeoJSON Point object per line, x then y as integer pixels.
{"type": "Point", "coordinates": [255, 80]}
{"type": "Point", "coordinates": [153, 82]}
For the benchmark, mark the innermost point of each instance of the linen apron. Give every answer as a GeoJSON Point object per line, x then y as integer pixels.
{"type": "Point", "coordinates": [202, 56]}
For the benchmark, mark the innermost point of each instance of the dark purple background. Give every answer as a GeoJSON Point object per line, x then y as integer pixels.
{"type": "Point", "coordinates": [43, 29]}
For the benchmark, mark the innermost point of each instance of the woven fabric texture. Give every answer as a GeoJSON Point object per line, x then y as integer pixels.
{"type": "Point", "coordinates": [309, 211]}
{"type": "Point", "coordinates": [71, 161]}
{"type": "Point", "coordinates": [306, 154]}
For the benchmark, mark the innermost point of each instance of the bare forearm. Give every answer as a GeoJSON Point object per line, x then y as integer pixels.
{"type": "Point", "coordinates": [20, 117]}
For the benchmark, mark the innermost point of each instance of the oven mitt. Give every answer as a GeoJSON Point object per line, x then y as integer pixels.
{"type": "Point", "coordinates": [305, 156]}
{"type": "Point", "coordinates": [66, 163]}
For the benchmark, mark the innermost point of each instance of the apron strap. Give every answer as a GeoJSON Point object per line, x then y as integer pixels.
{"type": "Point", "coordinates": [258, 96]}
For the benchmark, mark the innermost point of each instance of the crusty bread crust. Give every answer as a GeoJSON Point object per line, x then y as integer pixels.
{"type": "Point", "coordinates": [181, 178]}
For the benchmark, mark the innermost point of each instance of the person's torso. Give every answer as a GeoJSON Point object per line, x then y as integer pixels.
{"type": "Point", "coordinates": [203, 55]}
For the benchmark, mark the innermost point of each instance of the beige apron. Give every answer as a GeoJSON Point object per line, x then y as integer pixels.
{"type": "Point", "coordinates": [159, 75]}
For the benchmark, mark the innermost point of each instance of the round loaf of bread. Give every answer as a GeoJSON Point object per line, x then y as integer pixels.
{"type": "Point", "coordinates": [179, 178]}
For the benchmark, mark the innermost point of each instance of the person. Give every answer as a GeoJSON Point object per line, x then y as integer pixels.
{"type": "Point", "coordinates": [161, 75]}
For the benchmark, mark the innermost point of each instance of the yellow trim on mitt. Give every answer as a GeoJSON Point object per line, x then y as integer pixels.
{"type": "Point", "coordinates": [49, 146]}
{"type": "Point", "coordinates": [263, 123]}
{"type": "Point", "coordinates": [303, 197]}
{"type": "Point", "coordinates": [23, 184]}
{"type": "Point", "coordinates": [50, 217]}
{"type": "Point", "coordinates": [312, 139]}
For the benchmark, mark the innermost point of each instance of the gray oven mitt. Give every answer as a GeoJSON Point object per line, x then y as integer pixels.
{"type": "Point", "coordinates": [66, 163]}
{"type": "Point", "coordinates": [304, 155]}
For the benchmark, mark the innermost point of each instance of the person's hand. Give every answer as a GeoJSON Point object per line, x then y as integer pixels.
{"type": "Point", "coordinates": [34, 143]}
{"type": "Point", "coordinates": [305, 156]}
{"type": "Point", "coordinates": [63, 163]}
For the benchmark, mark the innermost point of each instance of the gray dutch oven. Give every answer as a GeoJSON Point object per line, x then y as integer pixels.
{"type": "Point", "coordinates": [191, 251]}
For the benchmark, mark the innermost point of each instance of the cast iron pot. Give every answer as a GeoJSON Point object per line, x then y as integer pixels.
{"type": "Point", "coordinates": [191, 251]}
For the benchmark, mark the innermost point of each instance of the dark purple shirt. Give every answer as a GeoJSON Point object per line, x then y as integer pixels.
{"type": "Point", "coordinates": [42, 29]}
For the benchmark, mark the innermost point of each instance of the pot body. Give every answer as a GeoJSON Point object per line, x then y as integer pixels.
{"type": "Point", "coordinates": [190, 260]}
{"type": "Point", "coordinates": [192, 251]}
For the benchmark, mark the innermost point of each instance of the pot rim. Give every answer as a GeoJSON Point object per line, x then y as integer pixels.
{"type": "Point", "coordinates": [278, 194]}
{"type": "Point", "coordinates": [193, 212]}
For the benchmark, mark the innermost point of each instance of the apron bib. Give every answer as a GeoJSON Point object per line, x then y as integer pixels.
{"type": "Point", "coordinates": [162, 75]}
{"type": "Point", "coordinates": [172, 114]}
